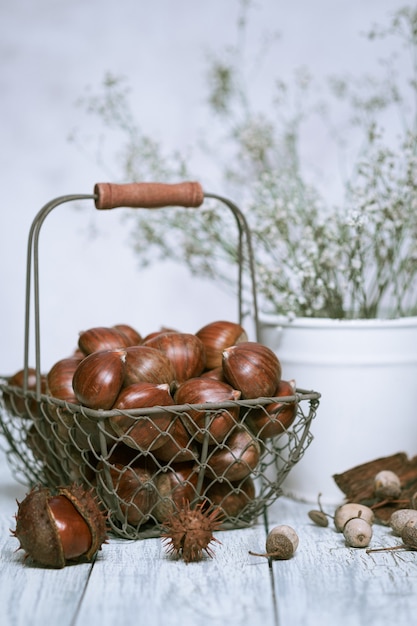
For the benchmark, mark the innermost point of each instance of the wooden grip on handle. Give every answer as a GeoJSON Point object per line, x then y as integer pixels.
{"type": "Point", "coordinates": [148, 195]}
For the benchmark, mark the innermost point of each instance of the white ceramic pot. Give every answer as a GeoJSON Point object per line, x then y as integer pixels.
{"type": "Point", "coordinates": [366, 372]}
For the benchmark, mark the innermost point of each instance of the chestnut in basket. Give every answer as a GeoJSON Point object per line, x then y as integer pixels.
{"type": "Point", "coordinates": [99, 377]}
{"type": "Point", "coordinates": [231, 497]}
{"type": "Point", "coordinates": [135, 490]}
{"type": "Point", "coordinates": [274, 418]}
{"type": "Point", "coordinates": [178, 446]}
{"type": "Point", "coordinates": [175, 486]}
{"type": "Point", "coordinates": [143, 432]}
{"type": "Point", "coordinates": [18, 405]}
{"type": "Point", "coordinates": [101, 338]}
{"type": "Point", "coordinates": [59, 379]}
{"type": "Point", "coordinates": [205, 390]}
{"type": "Point", "coordinates": [237, 458]}
{"type": "Point", "coordinates": [217, 336]}
{"type": "Point", "coordinates": [252, 368]}
{"type": "Point", "coordinates": [133, 337]}
{"type": "Point", "coordinates": [185, 351]}
{"type": "Point", "coordinates": [147, 364]}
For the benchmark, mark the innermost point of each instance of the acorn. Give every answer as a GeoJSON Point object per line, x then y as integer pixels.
{"type": "Point", "coordinates": [281, 543]}
{"type": "Point", "coordinates": [57, 528]}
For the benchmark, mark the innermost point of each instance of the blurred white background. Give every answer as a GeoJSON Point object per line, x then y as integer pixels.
{"type": "Point", "coordinates": [51, 53]}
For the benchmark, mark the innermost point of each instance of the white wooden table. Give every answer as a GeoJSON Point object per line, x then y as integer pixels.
{"type": "Point", "coordinates": [136, 582]}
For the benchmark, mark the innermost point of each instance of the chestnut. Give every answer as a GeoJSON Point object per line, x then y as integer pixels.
{"type": "Point", "coordinates": [101, 338]}
{"type": "Point", "coordinates": [98, 378]}
{"type": "Point", "coordinates": [59, 379]}
{"type": "Point", "coordinates": [217, 336]}
{"type": "Point", "coordinates": [274, 418]}
{"type": "Point", "coordinates": [147, 364]}
{"type": "Point", "coordinates": [218, 422]}
{"type": "Point", "coordinates": [237, 458]}
{"type": "Point", "coordinates": [252, 368]}
{"type": "Point", "coordinates": [54, 528]}
{"type": "Point", "coordinates": [231, 497]}
{"type": "Point", "coordinates": [178, 445]}
{"type": "Point", "coordinates": [175, 486]}
{"type": "Point", "coordinates": [18, 405]}
{"type": "Point", "coordinates": [216, 374]}
{"type": "Point", "coordinates": [133, 337]}
{"type": "Point", "coordinates": [142, 432]}
{"type": "Point", "coordinates": [134, 489]}
{"type": "Point", "coordinates": [185, 351]}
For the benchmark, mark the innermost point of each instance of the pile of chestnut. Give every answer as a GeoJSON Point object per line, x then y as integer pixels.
{"type": "Point", "coordinates": [154, 460]}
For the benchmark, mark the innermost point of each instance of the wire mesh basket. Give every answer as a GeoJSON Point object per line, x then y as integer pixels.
{"type": "Point", "coordinates": [144, 463]}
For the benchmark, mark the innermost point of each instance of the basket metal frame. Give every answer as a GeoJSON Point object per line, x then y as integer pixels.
{"type": "Point", "coordinates": [299, 437]}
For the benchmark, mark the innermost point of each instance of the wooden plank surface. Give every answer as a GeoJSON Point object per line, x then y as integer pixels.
{"type": "Point", "coordinates": [328, 582]}
{"type": "Point", "coordinates": [139, 581]}
{"type": "Point", "coordinates": [136, 582]}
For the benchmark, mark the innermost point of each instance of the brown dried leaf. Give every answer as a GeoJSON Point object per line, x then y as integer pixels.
{"type": "Point", "coordinates": [357, 483]}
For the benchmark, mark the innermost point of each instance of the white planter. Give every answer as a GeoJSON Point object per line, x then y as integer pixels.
{"type": "Point", "coordinates": [366, 371]}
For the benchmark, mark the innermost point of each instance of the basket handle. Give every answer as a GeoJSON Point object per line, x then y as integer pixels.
{"type": "Point", "coordinates": [148, 195]}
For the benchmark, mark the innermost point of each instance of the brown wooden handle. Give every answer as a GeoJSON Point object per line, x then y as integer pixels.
{"type": "Point", "coordinates": [148, 195]}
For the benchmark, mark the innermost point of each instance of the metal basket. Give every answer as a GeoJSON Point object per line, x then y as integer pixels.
{"type": "Point", "coordinates": [52, 442]}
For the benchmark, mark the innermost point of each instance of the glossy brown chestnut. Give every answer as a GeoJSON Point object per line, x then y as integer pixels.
{"type": "Point", "coordinates": [142, 432]}
{"type": "Point", "coordinates": [237, 458]}
{"type": "Point", "coordinates": [275, 418]}
{"type": "Point", "coordinates": [54, 528]}
{"type": "Point", "coordinates": [59, 379]}
{"type": "Point", "coordinates": [147, 364]}
{"type": "Point", "coordinates": [161, 331]}
{"type": "Point", "coordinates": [101, 338]}
{"type": "Point", "coordinates": [179, 446]}
{"type": "Point", "coordinates": [216, 374]}
{"type": "Point", "coordinates": [135, 490]}
{"type": "Point", "coordinates": [133, 337]}
{"type": "Point", "coordinates": [176, 486]}
{"type": "Point", "coordinates": [218, 422]}
{"type": "Point", "coordinates": [231, 498]}
{"type": "Point", "coordinates": [217, 336]}
{"type": "Point", "coordinates": [99, 377]}
{"type": "Point", "coordinates": [18, 405]}
{"type": "Point", "coordinates": [252, 368]}
{"type": "Point", "coordinates": [185, 351]}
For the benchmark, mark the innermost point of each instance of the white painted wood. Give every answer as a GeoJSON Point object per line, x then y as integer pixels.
{"type": "Point", "coordinates": [135, 582]}
{"type": "Point", "coordinates": [31, 595]}
{"type": "Point", "coordinates": [139, 581]}
{"type": "Point", "coordinates": [327, 582]}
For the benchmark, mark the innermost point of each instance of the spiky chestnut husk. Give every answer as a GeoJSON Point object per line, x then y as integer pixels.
{"type": "Point", "coordinates": [55, 528]}
{"type": "Point", "coordinates": [189, 532]}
